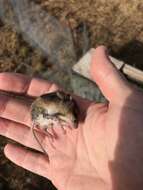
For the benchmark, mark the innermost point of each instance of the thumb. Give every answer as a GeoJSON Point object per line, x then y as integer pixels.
{"type": "Point", "coordinates": [110, 81]}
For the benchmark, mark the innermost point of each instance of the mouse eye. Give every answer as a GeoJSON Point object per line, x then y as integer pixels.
{"type": "Point", "coordinates": [45, 115]}
{"type": "Point", "coordinates": [75, 120]}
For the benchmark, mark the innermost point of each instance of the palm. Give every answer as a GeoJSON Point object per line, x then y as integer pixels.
{"type": "Point", "coordinates": [77, 158]}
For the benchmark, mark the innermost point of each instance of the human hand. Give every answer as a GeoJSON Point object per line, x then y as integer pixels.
{"type": "Point", "coordinates": [104, 152]}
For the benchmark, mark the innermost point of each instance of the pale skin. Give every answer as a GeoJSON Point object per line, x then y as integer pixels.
{"type": "Point", "coordinates": [104, 152]}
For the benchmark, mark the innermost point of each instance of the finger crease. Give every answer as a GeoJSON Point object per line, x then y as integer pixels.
{"type": "Point", "coordinates": [23, 161]}
{"type": "Point", "coordinates": [27, 85]}
{"type": "Point", "coordinates": [26, 118]}
{"type": "Point", "coordinates": [3, 105]}
{"type": "Point", "coordinates": [5, 123]}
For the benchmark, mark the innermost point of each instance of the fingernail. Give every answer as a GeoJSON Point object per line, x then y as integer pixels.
{"type": "Point", "coordinates": [92, 50]}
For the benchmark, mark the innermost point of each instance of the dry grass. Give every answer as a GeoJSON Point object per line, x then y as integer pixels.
{"type": "Point", "coordinates": [116, 24]}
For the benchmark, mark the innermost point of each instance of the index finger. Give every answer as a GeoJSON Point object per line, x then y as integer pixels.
{"type": "Point", "coordinates": [18, 83]}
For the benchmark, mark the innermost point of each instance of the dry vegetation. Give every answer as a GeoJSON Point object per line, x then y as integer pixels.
{"type": "Point", "coordinates": [116, 24]}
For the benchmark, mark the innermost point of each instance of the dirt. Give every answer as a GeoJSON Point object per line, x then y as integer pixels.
{"type": "Point", "coordinates": [116, 24]}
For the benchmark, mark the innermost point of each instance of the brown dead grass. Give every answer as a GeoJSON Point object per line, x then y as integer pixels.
{"type": "Point", "coordinates": [116, 24]}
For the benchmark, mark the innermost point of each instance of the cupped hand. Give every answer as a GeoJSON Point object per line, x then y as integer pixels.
{"type": "Point", "coordinates": [104, 152]}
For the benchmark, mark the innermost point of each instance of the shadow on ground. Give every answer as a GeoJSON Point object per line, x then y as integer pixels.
{"type": "Point", "coordinates": [131, 53]}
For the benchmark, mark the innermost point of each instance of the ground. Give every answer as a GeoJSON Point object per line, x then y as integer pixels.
{"type": "Point", "coordinates": [116, 24]}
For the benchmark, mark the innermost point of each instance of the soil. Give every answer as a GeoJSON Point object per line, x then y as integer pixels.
{"type": "Point", "coordinates": [116, 24]}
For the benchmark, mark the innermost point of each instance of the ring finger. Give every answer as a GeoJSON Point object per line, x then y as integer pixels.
{"type": "Point", "coordinates": [23, 135]}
